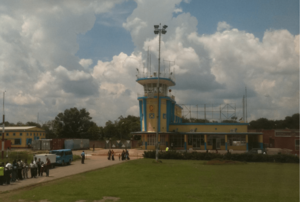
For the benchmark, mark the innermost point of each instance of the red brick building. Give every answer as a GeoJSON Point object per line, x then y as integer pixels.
{"type": "Point", "coordinates": [284, 139]}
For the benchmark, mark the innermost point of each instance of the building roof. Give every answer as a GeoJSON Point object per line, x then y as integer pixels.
{"type": "Point", "coordinates": [18, 128]}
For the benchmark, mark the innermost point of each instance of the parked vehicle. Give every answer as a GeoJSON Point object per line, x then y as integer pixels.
{"type": "Point", "coordinates": [43, 157]}
{"type": "Point", "coordinates": [257, 151]}
{"type": "Point", "coordinates": [63, 156]}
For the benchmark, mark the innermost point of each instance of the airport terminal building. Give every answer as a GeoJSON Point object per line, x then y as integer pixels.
{"type": "Point", "coordinates": [184, 136]}
{"type": "Point", "coordinates": [21, 136]}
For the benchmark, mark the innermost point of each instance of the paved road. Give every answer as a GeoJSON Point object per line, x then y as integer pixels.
{"type": "Point", "coordinates": [95, 160]}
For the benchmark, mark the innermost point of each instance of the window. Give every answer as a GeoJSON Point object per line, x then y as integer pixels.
{"type": "Point", "coordinates": [27, 134]}
{"type": "Point", "coordinates": [30, 134]}
{"type": "Point", "coordinates": [190, 139]}
{"type": "Point", "coordinates": [162, 140]}
{"type": "Point", "coordinates": [14, 134]}
{"type": "Point", "coordinates": [177, 140]}
{"type": "Point", "coordinates": [151, 139]}
{"type": "Point", "coordinates": [17, 141]}
{"type": "Point", "coordinates": [297, 145]}
{"type": "Point", "coordinates": [6, 134]}
{"type": "Point", "coordinates": [236, 140]}
{"type": "Point", "coordinates": [20, 134]}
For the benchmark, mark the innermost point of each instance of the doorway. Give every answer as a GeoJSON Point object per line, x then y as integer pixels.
{"type": "Point", "coordinates": [216, 143]}
{"type": "Point", "coordinates": [196, 141]}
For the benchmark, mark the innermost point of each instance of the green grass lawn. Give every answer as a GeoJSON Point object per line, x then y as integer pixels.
{"type": "Point", "coordinates": [175, 180]}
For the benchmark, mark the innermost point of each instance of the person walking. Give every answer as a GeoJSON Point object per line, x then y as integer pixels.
{"type": "Point", "coordinates": [1, 173]}
{"type": "Point", "coordinates": [82, 157]}
{"type": "Point", "coordinates": [112, 155]}
{"type": "Point", "coordinates": [109, 153]}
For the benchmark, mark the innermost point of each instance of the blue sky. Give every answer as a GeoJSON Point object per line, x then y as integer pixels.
{"type": "Point", "coordinates": [108, 38]}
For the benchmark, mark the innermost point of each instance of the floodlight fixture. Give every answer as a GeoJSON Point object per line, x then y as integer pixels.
{"type": "Point", "coordinates": [156, 26]}
{"type": "Point", "coordinates": [155, 31]}
{"type": "Point", "coordinates": [165, 26]}
{"type": "Point", "coordinates": [163, 31]}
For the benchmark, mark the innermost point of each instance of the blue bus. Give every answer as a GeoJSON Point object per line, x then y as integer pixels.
{"type": "Point", "coordinates": [63, 156]}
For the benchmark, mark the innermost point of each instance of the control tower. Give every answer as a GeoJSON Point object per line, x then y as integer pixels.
{"type": "Point", "coordinates": [150, 106]}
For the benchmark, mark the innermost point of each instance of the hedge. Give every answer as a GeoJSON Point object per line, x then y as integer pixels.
{"type": "Point", "coordinates": [246, 157]}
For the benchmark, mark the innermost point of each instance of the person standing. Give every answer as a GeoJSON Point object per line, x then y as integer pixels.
{"type": "Point", "coordinates": [7, 172]}
{"type": "Point", "coordinates": [48, 163]}
{"type": "Point", "coordinates": [34, 169]}
{"type": "Point", "coordinates": [25, 169]}
{"type": "Point", "coordinates": [31, 169]}
{"type": "Point", "coordinates": [14, 171]}
{"type": "Point", "coordinates": [38, 163]}
{"type": "Point", "coordinates": [20, 170]}
{"type": "Point", "coordinates": [1, 173]}
{"type": "Point", "coordinates": [82, 157]}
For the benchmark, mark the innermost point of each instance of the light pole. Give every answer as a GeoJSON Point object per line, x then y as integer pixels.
{"type": "Point", "coordinates": [3, 126]}
{"type": "Point", "coordinates": [159, 31]}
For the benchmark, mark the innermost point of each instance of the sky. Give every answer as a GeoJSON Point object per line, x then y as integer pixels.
{"type": "Point", "coordinates": [55, 55]}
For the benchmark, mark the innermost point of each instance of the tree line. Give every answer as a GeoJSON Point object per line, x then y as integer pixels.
{"type": "Point", "coordinates": [74, 123]}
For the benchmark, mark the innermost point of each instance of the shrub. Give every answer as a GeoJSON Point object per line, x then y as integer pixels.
{"type": "Point", "coordinates": [245, 157]}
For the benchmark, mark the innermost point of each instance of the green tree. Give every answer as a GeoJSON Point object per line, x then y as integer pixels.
{"type": "Point", "coordinates": [48, 127]}
{"type": "Point", "coordinates": [72, 123]}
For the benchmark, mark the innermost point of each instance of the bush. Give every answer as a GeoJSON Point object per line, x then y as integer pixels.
{"type": "Point", "coordinates": [245, 157]}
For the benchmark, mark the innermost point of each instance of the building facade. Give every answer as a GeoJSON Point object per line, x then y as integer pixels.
{"type": "Point", "coordinates": [21, 136]}
{"type": "Point", "coordinates": [283, 139]}
{"type": "Point", "coordinates": [184, 136]}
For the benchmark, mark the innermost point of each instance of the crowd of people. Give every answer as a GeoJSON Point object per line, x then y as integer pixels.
{"type": "Point", "coordinates": [124, 155]}
{"type": "Point", "coordinates": [18, 170]}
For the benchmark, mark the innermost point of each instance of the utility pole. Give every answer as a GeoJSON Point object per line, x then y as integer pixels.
{"type": "Point", "coordinates": [3, 126]}
{"type": "Point", "coordinates": [159, 31]}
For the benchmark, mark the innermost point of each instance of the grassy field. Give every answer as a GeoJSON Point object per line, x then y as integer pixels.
{"type": "Point", "coordinates": [173, 180]}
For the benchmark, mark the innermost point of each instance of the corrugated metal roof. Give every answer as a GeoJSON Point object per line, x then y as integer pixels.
{"type": "Point", "coordinates": [17, 127]}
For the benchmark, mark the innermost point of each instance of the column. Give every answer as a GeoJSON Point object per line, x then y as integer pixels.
{"type": "Point", "coordinates": [167, 139]}
{"type": "Point", "coordinates": [225, 142]}
{"type": "Point", "coordinates": [146, 141]}
{"type": "Point", "coordinates": [205, 141]}
{"type": "Point", "coordinates": [158, 140]}
{"type": "Point", "coordinates": [247, 148]}
{"type": "Point", "coordinates": [260, 137]}
{"type": "Point", "coordinates": [185, 140]}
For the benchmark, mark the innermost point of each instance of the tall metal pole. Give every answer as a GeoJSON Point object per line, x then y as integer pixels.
{"type": "Point", "coordinates": [3, 126]}
{"type": "Point", "coordinates": [158, 115]}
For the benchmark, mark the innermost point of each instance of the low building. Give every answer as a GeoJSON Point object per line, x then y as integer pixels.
{"type": "Point", "coordinates": [283, 139]}
{"type": "Point", "coordinates": [21, 136]}
{"type": "Point", "coordinates": [183, 136]}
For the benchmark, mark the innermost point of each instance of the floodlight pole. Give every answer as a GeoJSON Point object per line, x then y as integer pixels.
{"type": "Point", "coordinates": [159, 32]}
{"type": "Point", "coordinates": [3, 126]}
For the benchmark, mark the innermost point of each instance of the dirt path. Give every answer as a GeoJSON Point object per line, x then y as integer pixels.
{"type": "Point", "coordinates": [95, 160]}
